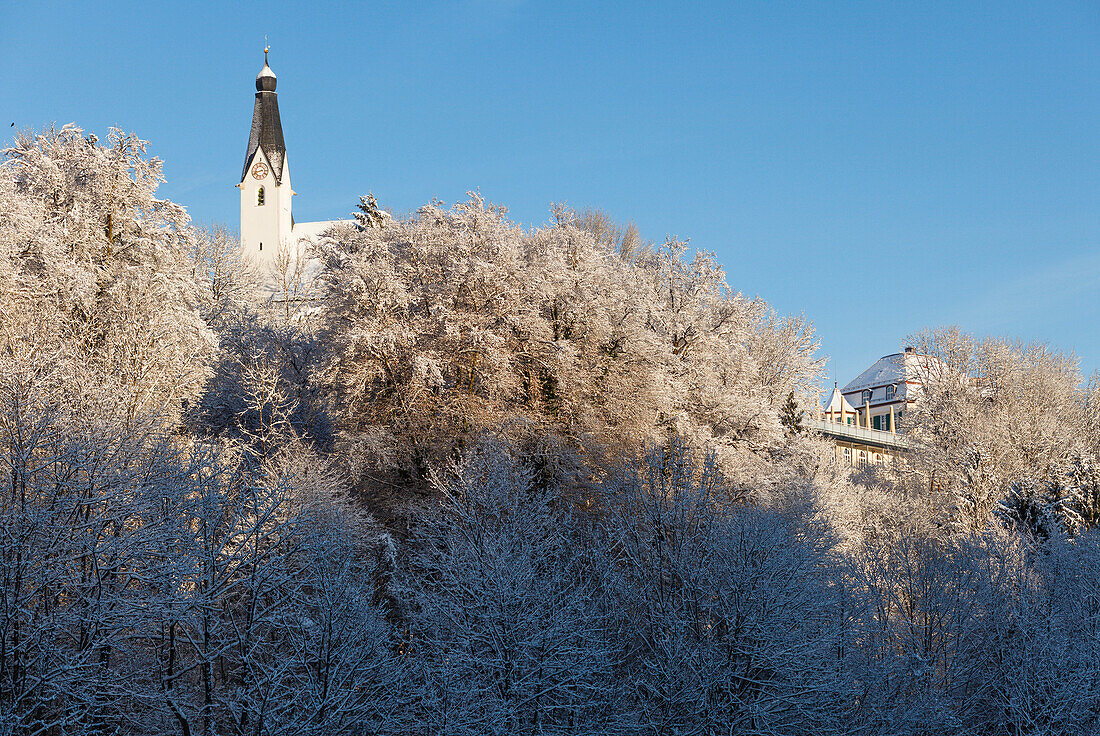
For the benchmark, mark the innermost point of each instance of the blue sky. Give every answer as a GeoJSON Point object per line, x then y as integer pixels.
{"type": "Point", "coordinates": [879, 167]}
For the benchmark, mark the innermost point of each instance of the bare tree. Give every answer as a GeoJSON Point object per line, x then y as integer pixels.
{"type": "Point", "coordinates": [503, 623]}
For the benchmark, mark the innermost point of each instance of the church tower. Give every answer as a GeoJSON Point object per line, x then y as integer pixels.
{"type": "Point", "coordinates": [266, 222]}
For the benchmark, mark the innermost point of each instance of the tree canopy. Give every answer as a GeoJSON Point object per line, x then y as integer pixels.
{"type": "Point", "coordinates": [494, 479]}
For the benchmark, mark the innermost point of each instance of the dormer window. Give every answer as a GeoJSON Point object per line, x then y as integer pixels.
{"type": "Point", "coordinates": [260, 197]}
{"type": "Point", "coordinates": [866, 396]}
{"type": "Point", "coordinates": [889, 393]}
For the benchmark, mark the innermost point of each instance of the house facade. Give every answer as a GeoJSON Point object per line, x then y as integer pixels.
{"type": "Point", "coordinates": [882, 394]}
{"type": "Point", "coordinates": [865, 419]}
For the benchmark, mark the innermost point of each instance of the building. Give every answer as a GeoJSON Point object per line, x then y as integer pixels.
{"type": "Point", "coordinates": [270, 238]}
{"type": "Point", "coordinates": [865, 419]}
{"type": "Point", "coordinates": [885, 391]}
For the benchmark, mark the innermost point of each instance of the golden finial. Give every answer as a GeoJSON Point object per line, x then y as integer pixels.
{"type": "Point", "coordinates": [266, 49]}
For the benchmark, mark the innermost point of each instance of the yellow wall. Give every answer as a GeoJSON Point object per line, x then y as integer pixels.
{"type": "Point", "coordinates": [874, 455]}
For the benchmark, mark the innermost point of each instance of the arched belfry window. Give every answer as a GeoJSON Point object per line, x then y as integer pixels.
{"type": "Point", "coordinates": [260, 196]}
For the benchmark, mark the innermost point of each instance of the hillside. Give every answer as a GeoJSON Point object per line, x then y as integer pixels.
{"type": "Point", "coordinates": [499, 479]}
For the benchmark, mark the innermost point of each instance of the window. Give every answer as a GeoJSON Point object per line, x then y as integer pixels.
{"type": "Point", "coordinates": [866, 396]}
{"type": "Point", "coordinates": [851, 420]}
{"type": "Point", "coordinates": [877, 459]}
{"type": "Point", "coordinates": [878, 422]}
{"type": "Point", "coordinates": [847, 455]}
{"type": "Point", "coordinates": [260, 197]}
{"type": "Point", "coordinates": [889, 393]}
{"type": "Point", "coordinates": [863, 458]}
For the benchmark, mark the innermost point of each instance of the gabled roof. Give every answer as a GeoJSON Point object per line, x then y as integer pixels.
{"type": "Point", "coordinates": [267, 130]}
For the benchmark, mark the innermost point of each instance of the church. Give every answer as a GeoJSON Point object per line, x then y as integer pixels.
{"type": "Point", "coordinates": [270, 238]}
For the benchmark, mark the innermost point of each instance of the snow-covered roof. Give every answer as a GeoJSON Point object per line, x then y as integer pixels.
{"type": "Point", "coordinates": [900, 370]}
{"type": "Point", "coordinates": [838, 403]}
{"type": "Point", "coordinates": [889, 369]}
{"type": "Point", "coordinates": [309, 269]}
{"type": "Point", "coordinates": [266, 72]}
{"type": "Point", "coordinates": [312, 230]}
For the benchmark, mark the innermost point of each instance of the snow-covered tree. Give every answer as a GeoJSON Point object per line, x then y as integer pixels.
{"type": "Point", "coordinates": [625, 532]}
{"type": "Point", "coordinates": [370, 213]}
{"type": "Point", "coordinates": [1042, 668]}
{"type": "Point", "coordinates": [504, 622]}
{"type": "Point", "coordinates": [1081, 477]}
{"type": "Point", "coordinates": [218, 264]}
{"type": "Point", "coordinates": [991, 412]}
{"type": "Point", "coordinates": [730, 619]}
{"type": "Point", "coordinates": [458, 320]}
{"type": "Point", "coordinates": [152, 587]}
{"type": "Point", "coordinates": [86, 246]}
{"type": "Point", "coordinates": [263, 390]}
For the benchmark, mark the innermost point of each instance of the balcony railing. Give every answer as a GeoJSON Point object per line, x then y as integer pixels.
{"type": "Point", "coordinates": [877, 400]}
{"type": "Point", "coordinates": [862, 435]}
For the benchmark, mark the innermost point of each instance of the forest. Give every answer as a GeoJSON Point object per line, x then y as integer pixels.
{"type": "Point", "coordinates": [499, 479]}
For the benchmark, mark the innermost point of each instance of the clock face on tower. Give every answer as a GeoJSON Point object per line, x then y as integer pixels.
{"type": "Point", "coordinates": [259, 171]}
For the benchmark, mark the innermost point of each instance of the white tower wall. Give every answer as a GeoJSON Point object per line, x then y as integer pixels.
{"type": "Point", "coordinates": [266, 221]}
{"type": "Point", "coordinates": [265, 228]}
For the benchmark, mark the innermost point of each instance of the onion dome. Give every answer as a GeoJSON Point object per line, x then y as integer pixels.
{"type": "Point", "coordinates": [265, 80]}
{"type": "Point", "coordinates": [267, 130]}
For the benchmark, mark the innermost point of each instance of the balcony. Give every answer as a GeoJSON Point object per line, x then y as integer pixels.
{"type": "Point", "coordinates": [860, 435]}
{"type": "Point", "coordinates": [879, 401]}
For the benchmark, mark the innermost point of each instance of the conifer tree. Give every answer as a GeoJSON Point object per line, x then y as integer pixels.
{"type": "Point", "coordinates": [791, 416]}
{"type": "Point", "coordinates": [370, 214]}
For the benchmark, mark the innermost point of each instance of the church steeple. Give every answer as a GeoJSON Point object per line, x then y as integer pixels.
{"type": "Point", "coordinates": [267, 131]}
{"type": "Point", "coordinates": [267, 225]}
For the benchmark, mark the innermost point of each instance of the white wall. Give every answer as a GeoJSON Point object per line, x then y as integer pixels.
{"type": "Point", "coordinates": [265, 227]}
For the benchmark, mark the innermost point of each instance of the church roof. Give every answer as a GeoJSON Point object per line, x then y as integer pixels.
{"type": "Point", "coordinates": [313, 230]}
{"type": "Point", "coordinates": [267, 130]}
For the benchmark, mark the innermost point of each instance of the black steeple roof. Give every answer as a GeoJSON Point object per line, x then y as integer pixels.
{"type": "Point", "coordinates": [267, 131]}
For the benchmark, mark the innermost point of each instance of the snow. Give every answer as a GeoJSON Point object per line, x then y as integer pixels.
{"type": "Point", "coordinates": [837, 402]}
{"type": "Point", "coordinates": [313, 230]}
{"type": "Point", "coordinates": [886, 370]}
{"type": "Point", "coordinates": [958, 595]}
